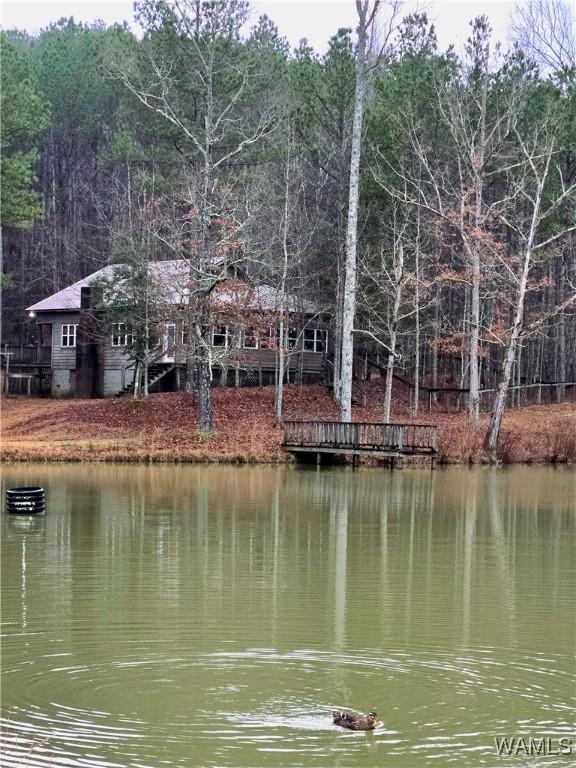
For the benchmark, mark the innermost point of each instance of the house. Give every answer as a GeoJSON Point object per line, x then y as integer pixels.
{"type": "Point", "coordinates": [86, 354]}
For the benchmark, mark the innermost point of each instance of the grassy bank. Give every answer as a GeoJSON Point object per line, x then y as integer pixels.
{"type": "Point", "coordinates": [163, 428]}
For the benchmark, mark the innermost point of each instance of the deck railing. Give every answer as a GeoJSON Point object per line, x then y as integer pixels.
{"type": "Point", "coordinates": [27, 354]}
{"type": "Point", "coordinates": [404, 438]}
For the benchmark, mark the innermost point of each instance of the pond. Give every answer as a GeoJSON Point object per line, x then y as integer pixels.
{"type": "Point", "coordinates": [214, 616]}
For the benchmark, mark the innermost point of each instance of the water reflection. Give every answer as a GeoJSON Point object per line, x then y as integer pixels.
{"type": "Point", "coordinates": [34, 526]}
{"type": "Point", "coordinates": [214, 615]}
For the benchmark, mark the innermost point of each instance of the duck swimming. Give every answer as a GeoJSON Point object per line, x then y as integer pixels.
{"type": "Point", "coordinates": [356, 722]}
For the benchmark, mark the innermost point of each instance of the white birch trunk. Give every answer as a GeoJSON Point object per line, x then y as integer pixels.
{"type": "Point", "coordinates": [416, 401]}
{"type": "Point", "coordinates": [137, 376]}
{"type": "Point", "coordinates": [340, 259]}
{"type": "Point", "coordinates": [500, 398]}
{"type": "Point", "coordinates": [561, 345]}
{"type": "Point", "coordinates": [398, 278]}
{"type": "Point", "coordinates": [474, 373]}
{"type": "Point", "coordinates": [349, 298]}
{"type": "Point", "coordinates": [491, 442]}
{"type": "Point", "coordinates": [279, 393]}
{"type": "Point", "coordinates": [389, 380]}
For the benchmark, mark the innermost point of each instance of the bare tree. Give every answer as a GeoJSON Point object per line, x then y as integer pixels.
{"type": "Point", "coordinates": [198, 78]}
{"type": "Point", "coordinates": [131, 300]}
{"type": "Point", "coordinates": [279, 238]}
{"type": "Point", "coordinates": [534, 197]}
{"type": "Point", "coordinates": [391, 293]}
{"type": "Point", "coordinates": [452, 185]}
{"type": "Point", "coordinates": [324, 91]}
{"type": "Point", "coordinates": [546, 31]}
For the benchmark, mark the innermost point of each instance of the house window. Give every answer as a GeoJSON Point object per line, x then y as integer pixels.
{"type": "Point", "coordinates": [315, 340]}
{"type": "Point", "coordinates": [269, 339]}
{"type": "Point", "coordinates": [250, 339]}
{"type": "Point", "coordinates": [121, 335]}
{"type": "Point", "coordinates": [290, 335]}
{"type": "Point", "coordinates": [69, 334]}
{"type": "Point", "coordinates": [220, 336]}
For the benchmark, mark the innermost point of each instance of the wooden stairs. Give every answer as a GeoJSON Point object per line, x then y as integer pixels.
{"type": "Point", "coordinates": [359, 395]}
{"type": "Point", "coordinates": [155, 372]}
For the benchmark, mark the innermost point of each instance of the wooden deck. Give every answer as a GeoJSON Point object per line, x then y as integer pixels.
{"type": "Point", "coordinates": [337, 437]}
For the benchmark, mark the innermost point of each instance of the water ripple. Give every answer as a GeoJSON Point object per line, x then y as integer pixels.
{"type": "Point", "coordinates": [50, 732]}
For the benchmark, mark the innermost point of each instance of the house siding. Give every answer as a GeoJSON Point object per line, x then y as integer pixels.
{"type": "Point", "coordinates": [63, 358]}
{"type": "Point", "coordinates": [115, 379]}
{"type": "Point", "coordinates": [116, 370]}
{"type": "Point", "coordinates": [63, 382]}
{"type": "Point", "coordinates": [117, 374]}
{"type": "Point", "coordinates": [114, 357]}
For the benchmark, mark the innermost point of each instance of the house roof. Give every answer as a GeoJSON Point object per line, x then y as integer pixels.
{"type": "Point", "coordinates": [68, 298]}
{"type": "Point", "coordinates": [171, 276]}
{"type": "Point", "coordinates": [262, 297]}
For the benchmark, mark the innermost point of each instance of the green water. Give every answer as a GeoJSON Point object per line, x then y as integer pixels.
{"type": "Point", "coordinates": [213, 616]}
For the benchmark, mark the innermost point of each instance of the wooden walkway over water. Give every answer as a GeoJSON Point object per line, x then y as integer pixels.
{"type": "Point", "coordinates": [382, 440]}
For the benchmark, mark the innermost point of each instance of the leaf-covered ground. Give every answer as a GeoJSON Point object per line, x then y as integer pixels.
{"type": "Point", "coordinates": [164, 427]}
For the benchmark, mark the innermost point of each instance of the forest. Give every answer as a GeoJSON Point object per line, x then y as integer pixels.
{"type": "Point", "coordinates": [425, 200]}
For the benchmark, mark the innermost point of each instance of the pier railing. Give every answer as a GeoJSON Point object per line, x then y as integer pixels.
{"type": "Point", "coordinates": [403, 438]}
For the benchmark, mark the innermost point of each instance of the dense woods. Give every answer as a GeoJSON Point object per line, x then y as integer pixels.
{"type": "Point", "coordinates": [199, 137]}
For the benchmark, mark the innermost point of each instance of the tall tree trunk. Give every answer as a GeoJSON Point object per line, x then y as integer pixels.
{"type": "Point", "coordinates": [436, 331]}
{"type": "Point", "coordinates": [340, 267]}
{"type": "Point", "coordinates": [474, 372]}
{"type": "Point", "coordinates": [338, 330]}
{"type": "Point", "coordinates": [205, 420]}
{"type": "Point", "coordinates": [561, 368]}
{"type": "Point", "coordinates": [279, 393]}
{"type": "Point", "coordinates": [398, 280]}
{"type": "Point", "coordinates": [349, 300]}
{"type": "Point", "coordinates": [137, 378]}
{"type": "Point", "coordinates": [415, 401]}
{"type": "Point", "coordinates": [204, 391]}
{"type": "Point", "coordinates": [479, 160]}
{"type": "Point", "coordinates": [502, 391]}
{"type": "Point", "coordinates": [491, 441]}
{"type": "Point", "coordinates": [389, 380]}
{"type": "Point", "coordinates": [281, 368]}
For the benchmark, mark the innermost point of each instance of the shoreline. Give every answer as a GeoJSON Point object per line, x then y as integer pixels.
{"type": "Point", "coordinates": [407, 462]}
{"type": "Point", "coordinates": [81, 454]}
{"type": "Point", "coordinates": [162, 430]}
